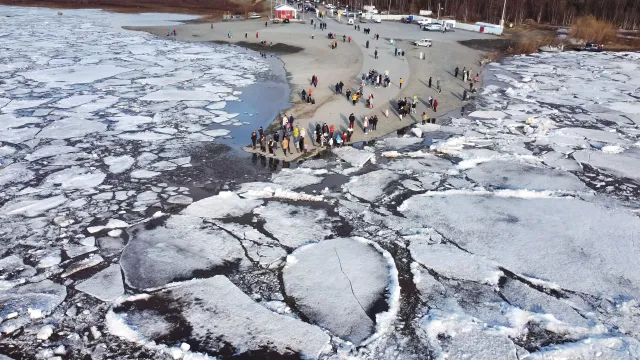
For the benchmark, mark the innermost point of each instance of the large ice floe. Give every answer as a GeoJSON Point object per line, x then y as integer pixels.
{"type": "Point", "coordinates": [511, 233]}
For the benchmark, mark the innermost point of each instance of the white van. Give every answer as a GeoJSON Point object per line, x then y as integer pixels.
{"type": "Point", "coordinates": [350, 21]}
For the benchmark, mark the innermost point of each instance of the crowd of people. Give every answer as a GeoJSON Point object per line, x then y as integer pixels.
{"type": "Point", "coordinates": [290, 136]}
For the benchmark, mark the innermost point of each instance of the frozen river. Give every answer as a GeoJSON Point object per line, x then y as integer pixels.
{"type": "Point", "coordinates": [129, 232]}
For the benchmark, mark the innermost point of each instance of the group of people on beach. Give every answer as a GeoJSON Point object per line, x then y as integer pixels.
{"type": "Point", "coordinates": [290, 134]}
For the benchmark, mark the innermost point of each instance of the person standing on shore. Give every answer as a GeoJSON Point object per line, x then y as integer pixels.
{"type": "Point", "coordinates": [375, 54]}
{"type": "Point", "coordinates": [352, 121]}
{"type": "Point", "coordinates": [365, 126]}
{"type": "Point", "coordinates": [291, 116]}
{"type": "Point", "coordinates": [400, 83]}
{"type": "Point", "coordinates": [438, 84]}
{"type": "Point", "coordinates": [430, 79]}
{"type": "Point", "coordinates": [303, 133]}
{"type": "Point", "coordinates": [301, 143]}
{"type": "Point", "coordinates": [456, 72]}
{"type": "Point", "coordinates": [245, 35]}
{"type": "Point", "coordinates": [284, 121]}
{"type": "Point", "coordinates": [261, 132]}
{"type": "Point", "coordinates": [354, 98]}
{"type": "Point", "coordinates": [313, 78]}
{"type": "Point", "coordinates": [431, 102]}
{"type": "Point", "coordinates": [285, 146]}
{"type": "Point", "coordinates": [435, 105]}
{"type": "Point", "coordinates": [256, 34]}
{"type": "Point", "coordinates": [254, 138]}
{"type": "Point", "coordinates": [296, 135]}
{"type": "Point", "coordinates": [262, 144]}
{"type": "Point", "coordinates": [425, 118]}
{"type": "Point", "coordinates": [276, 139]}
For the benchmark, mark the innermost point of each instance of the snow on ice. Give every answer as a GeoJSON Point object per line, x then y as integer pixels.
{"type": "Point", "coordinates": [218, 313]}
{"type": "Point", "coordinates": [347, 304]}
{"type": "Point", "coordinates": [178, 250]}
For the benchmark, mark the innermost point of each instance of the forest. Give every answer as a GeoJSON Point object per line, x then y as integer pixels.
{"type": "Point", "coordinates": [622, 13]}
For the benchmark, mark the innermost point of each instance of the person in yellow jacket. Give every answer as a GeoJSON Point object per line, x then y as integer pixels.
{"type": "Point", "coordinates": [285, 145]}
{"type": "Point", "coordinates": [296, 137]}
{"type": "Point", "coordinates": [354, 98]}
{"type": "Point", "coordinates": [425, 118]}
{"type": "Point", "coordinates": [400, 83]}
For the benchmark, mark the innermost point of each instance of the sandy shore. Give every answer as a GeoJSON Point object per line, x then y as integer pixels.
{"type": "Point", "coordinates": [347, 63]}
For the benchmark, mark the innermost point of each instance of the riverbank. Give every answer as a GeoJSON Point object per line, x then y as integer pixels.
{"type": "Point", "coordinates": [347, 63]}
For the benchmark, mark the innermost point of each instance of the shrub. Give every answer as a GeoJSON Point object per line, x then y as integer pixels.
{"type": "Point", "coordinates": [530, 44]}
{"type": "Point", "coordinates": [588, 28]}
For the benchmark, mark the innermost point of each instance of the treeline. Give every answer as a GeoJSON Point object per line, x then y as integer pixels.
{"type": "Point", "coordinates": [194, 6]}
{"type": "Point", "coordinates": [622, 13]}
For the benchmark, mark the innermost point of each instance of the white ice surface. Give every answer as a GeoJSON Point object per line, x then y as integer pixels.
{"type": "Point", "coordinates": [218, 311]}
{"type": "Point", "coordinates": [530, 236]}
{"type": "Point", "coordinates": [32, 207]}
{"type": "Point", "coordinates": [119, 164]}
{"type": "Point", "coordinates": [74, 178]}
{"type": "Point", "coordinates": [309, 225]}
{"type": "Point", "coordinates": [106, 285]}
{"type": "Point", "coordinates": [357, 158]}
{"type": "Point", "coordinates": [359, 278]}
{"type": "Point", "coordinates": [370, 186]}
{"type": "Point", "coordinates": [175, 251]}
{"type": "Point", "coordinates": [226, 203]}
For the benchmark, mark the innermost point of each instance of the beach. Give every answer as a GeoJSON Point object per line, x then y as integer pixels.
{"type": "Point", "coordinates": [306, 51]}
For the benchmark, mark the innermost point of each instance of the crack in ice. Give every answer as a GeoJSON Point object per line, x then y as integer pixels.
{"type": "Point", "coordinates": [349, 280]}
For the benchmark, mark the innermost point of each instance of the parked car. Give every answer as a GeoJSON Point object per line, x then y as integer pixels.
{"type": "Point", "coordinates": [424, 22]}
{"type": "Point", "coordinates": [594, 46]}
{"type": "Point", "coordinates": [432, 27]}
{"type": "Point", "coordinates": [424, 42]}
{"type": "Point", "coordinates": [377, 19]}
{"type": "Point", "coordinates": [254, 16]}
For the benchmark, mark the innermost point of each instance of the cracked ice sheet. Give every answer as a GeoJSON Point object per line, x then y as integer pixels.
{"type": "Point", "coordinates": [357, 158]}
{"type": "Point", "coordinates": [513, 175]}
{"type": "Point", "coordinates": [177, 250]}
{"type": "Point", "coordinates": [371, 186]}
{"type": "Point", "coordinates": [310, 225]}
{"type": "Point", "coordinates": [346, 304]}
{"type": "Point", "coordinates": [531, 236]}
{"type": "Point", "coordinates": [62, 76]}
{"type": "Point", "coordinates": [218, 313]}
{"type": "Point", "coordinates": [455, 335]}
{"type": "Point", "coordinates": [297, 178]}
{"type": "Point", "coordinates": [29, 207]}
{"type": "Point", "coordinates": [617, 164]}
{"type": "Point", "coordinates": [226, 203]}
{"type": "Point", "coordinates": [620, 348]}
{"type": "Point", "coordinates": [445, 259]}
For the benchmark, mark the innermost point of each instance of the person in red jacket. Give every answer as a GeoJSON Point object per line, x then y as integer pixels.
{"type": "Point", "coordinates": [435, 105]}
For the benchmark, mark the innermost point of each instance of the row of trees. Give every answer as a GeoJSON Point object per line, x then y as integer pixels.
{"type": "Point", "coordinates": [623, 13]}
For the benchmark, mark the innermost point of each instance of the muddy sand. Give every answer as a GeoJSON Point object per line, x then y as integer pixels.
{"type": "Point", "coordinates": [306, 51]}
